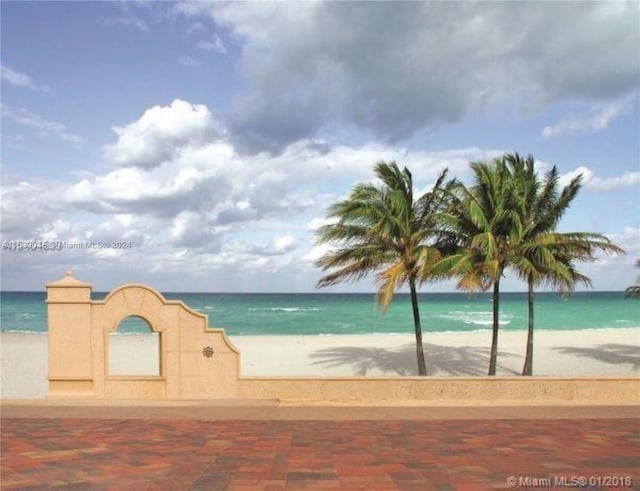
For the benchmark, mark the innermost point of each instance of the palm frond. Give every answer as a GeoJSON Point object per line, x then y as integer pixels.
{"type": "Point", "coordinates": [389, 280]}
{"type": "Point", "coordinates": [381, 228]}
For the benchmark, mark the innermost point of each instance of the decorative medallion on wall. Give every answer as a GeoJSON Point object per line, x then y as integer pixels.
{"type": "Point", "coordinates": [207, 351]}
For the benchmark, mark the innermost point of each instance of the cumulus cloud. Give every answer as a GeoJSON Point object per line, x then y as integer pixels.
{"type": "Point", "coordinates": [595, 118]}
{"type": "Point", "coordinates": [601, 184]}
{"type": "Point", "coordinates": [202, 208]}
{"type": "Point", "coordinates": [23, 208]}
{"type": "Point", "coordinates": [162, 191]}
{"type": "Point", "coordinates": [167, 164]}
{"type": "Point", "coordinates": [281, 244]}
{"type": "Point", "coordinates": [627, 180]}
{"type": "Point", "coordinates": [585, 172]}
{"type": "Point", "coordinates": [199, 205]}
{"type": "Point", "coordinates": [43, 126]}
{"type": "Point", "coordinates": [151, 140]}
{"type": "Point", "coordinates": [196, 230]}
{"type": "Point", "coordinates": [393, 69]}
{"type": "Point", "coordinates": [19, 79]}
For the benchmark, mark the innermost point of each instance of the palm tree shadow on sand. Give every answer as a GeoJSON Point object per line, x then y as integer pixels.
{"type": "Point", "coordinates": [608, 353]}
{"type": "Point", "coordinates": [441, 360]}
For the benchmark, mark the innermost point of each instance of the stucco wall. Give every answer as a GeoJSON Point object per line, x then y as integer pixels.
{"type": "Point", "coordinates": [197, 362]}
{"type": "Point", "coordinates": [79, 346]}
{"type": "Point", "coordinates": [525, 390]}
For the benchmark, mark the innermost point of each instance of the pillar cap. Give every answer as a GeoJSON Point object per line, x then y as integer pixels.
{"type": "Point", "coordinates": [68, 281]}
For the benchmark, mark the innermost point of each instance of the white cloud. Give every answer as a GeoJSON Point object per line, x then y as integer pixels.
{"type": "Point", "coordinates": [167, 165]}
{"type": "Point", "coordinates": [627, 180]}
{"type": "Point", "coordinates": [601, 184]}
{"type": "Point", "coordinates": [616, 271]}
{"type": "Point", "coordinates": [196, 230]}
{"type": "Point", "coordinates": [197, 208]}
{"type": "Point", "coordinates": [161, 191]}
{"type": "Point", "coordinates": [282, 243]}
{"type": "Point", "coordinates": [151, 140]}
{"type": "Point", "coordinates": [14, 78]}
{"type": "Point", "coordinates": [24, 207]}
{"type": "Point", "coordinates": [596, 118]}
{"type": "Point", "coordinates": [58, 229]}
{"type": "Point", "coordinates": [565, 179]}
{"type": "Point", "coordinates": [629, 240]}
{"type": "Point", "coordinates": [18, 79]}
{"type": "Point", "coordinates": [24, 117]}
{"type": "Point", "coordinates": [167, 169]}
{"type": "Point", "coordinates": [202, 207]}
{"type": "Point", "coordinates": [319, 222]}
{"type": "Point", "coordinates": [316, 252]}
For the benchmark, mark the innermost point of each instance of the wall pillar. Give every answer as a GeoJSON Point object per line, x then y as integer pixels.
{"type": "Point", "coordinates": [69, 318]}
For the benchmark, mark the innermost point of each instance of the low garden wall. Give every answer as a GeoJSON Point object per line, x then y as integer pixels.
{"type": "Point", "coordinates": [196, 362]}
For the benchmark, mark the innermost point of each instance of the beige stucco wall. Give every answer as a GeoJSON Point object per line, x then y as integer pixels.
{"type": "Point", "coordinates": [525, 390]}
{"type": "Point", "coordinates": [79, 346]}
{"type": "Point", "coordinates": [79, 353]}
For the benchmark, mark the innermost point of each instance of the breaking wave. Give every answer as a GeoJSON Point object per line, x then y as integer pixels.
{"type": "Point", "coordinates": [476, 318]}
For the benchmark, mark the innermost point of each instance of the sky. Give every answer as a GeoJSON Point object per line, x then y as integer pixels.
{"type": "Point", "coordinates": [209, 139]}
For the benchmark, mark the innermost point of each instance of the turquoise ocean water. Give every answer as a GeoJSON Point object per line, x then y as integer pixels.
{"type": "Point", "coordinates": [325, 313]}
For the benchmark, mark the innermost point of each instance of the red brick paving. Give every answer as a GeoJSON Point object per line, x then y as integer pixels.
{"type": "Point", "coordinates": [439, 455]}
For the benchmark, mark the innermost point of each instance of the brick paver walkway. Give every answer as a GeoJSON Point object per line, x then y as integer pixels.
{"type": "Point", "coordinates": [178, 454]}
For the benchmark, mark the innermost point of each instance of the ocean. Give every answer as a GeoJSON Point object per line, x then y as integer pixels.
{"type": "Point", "coordinates": [333, 314]}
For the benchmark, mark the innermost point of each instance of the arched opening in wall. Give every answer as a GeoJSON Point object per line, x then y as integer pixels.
{"type": "Point", "coordinates": [134, 348]}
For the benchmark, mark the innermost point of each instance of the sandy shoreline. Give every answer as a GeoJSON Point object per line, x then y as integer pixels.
{"type": "Point", "coordinates": [557, 353]}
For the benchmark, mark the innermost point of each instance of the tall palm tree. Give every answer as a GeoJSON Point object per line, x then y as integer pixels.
{"type": "Point", "coordinates": [483, 220]}
{"type": "Point", "coordinates": [383, 229]}
{"type": "Point", "coordinates": [540, 254]}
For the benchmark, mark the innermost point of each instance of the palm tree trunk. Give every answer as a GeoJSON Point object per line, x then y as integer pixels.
{"type": "Point", "coordinates": [422, 367]}
{"type": "Point", "coordinates": [493, 360]}
{"type": "Point", "coordinates": [527, 369]}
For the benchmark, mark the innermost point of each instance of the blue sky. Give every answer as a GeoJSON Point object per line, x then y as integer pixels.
{"type": "Point", "coordinates": [213, 136]}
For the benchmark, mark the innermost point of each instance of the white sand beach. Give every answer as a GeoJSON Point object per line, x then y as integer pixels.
{"type": "Point", "coordinates": [557, 353]}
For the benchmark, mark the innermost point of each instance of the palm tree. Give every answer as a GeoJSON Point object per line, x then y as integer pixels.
{"type": "Point", "coordinates": [634, 290]}
{"type": "Point", "coordinates": [383, 229]}
{"type": "Point", "coordinates": [540, 254]}
{"type": "Point", "coordinates": [482, 219]}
